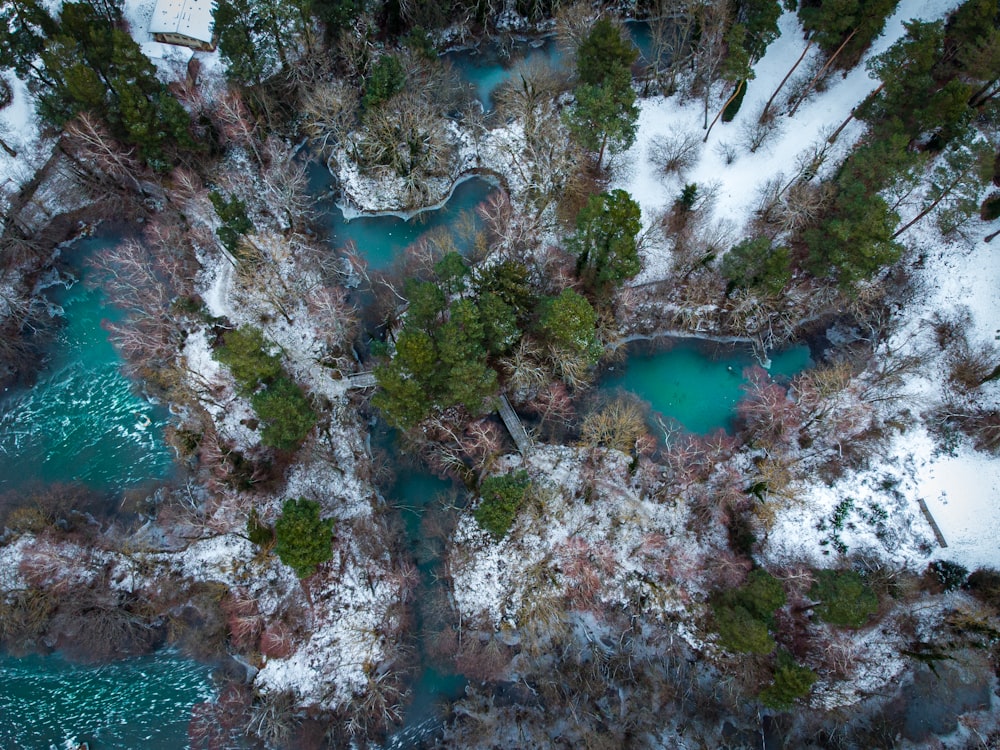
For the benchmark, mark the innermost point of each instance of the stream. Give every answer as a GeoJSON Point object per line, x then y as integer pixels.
{"type": "Point", "coordinates": [84, 422]}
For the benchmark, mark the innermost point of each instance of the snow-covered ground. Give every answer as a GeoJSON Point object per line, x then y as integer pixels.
{"type": "Point", "coordinates": [961, 488]}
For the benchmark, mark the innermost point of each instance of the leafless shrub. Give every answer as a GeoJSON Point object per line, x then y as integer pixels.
{"type": "Point", "coordinates": [675, 153]}
{"type": "Point", "coordinates": [755, 133]}
{"type": "Point", "coordinates": [573, 24]}
{"type": "Point", "coordinates": [726, 151]}
{"type": "Point", "coordinates": [619, 425]}
{"type": "Point", "coordinates": [970, 366]}
{"type": "Point", "coordinates": [24, 616]}
{"type": "Point", "coordinates": [219, 724]}
{"type": "Point", "coordinates": [273, 718]}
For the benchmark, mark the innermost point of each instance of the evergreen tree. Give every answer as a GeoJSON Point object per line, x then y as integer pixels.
{"type": "Point", "coordinates": [255, 36]}
{"type": "Point", "coordinates": [386, 79]}
{"type": "Point", "coordinates": [759, 18]}
{"type": "Point", "coordinates": [845, 27]}
{"type": "Point", "coordinates": [90, 65]}
{"type": "Point", "coordinates": [913, 99]}
{"type": "Point", "coordinates": [286, 414]}
{"type": "Point", "coordinates": [245, 352]}
{"type": "Point", "coordinates": [605, 51]}
{"type": "Point", "coordinates": [791, 682]}
{"type": "Point", "coordinates": [755, 264]}
{"type": "Point", "coordinates": [303, 540]}
{"type": "Point", "coordinates": [235, 221]}
{"type": "Point", "coordinates": [569, 323]}
{"type": "Point", "coordinates": [24, 27]}
{"type": "Point", "coordinates": [843, 598]}
{"type": "Point", "coordinates": [604, 116]}
{"type": "Point", "coordinates": [605, 241]}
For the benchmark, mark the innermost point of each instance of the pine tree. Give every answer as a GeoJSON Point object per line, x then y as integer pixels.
{"type": "Point", "coordinates": [302, 538]}
{"type": "Point", "coordinates": [605, 240]}
{"type": "Point", "coordinates": [604, 116]}
{"type": "Point", "coordinates": [604, 52]}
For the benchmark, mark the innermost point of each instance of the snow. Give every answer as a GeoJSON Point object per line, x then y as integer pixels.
{"type": "Point", "coordinates": [739, 183]}
{"type": "Point", "coordinates": [19, 128]}
{"type": "Point", "coordinates": [567, 540]}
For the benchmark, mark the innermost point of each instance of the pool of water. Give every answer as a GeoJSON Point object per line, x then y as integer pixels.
{"type": "Point", "coordinates": [697, 384]}
{"type": "Point", "coordinates": [382, 239]}
{"type": "Point", "coordinates": [48, 702]}
{"type": "Point", "coordinates": [83, 420]}
{"type": "Point", "coordinates": [487, 68]}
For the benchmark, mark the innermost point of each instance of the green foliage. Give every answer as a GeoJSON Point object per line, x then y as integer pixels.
{"type": "Point", "coordinates": [791, 682]}
{"type": "Point", "coordinates": [385, 80]}
{"type": "Point", "coordinates": [502, 497]}
{"type": "Point", "coordinates": [452, 270]}
{"type": "Point", "coordinates": [760, 19]}
{"type": "Point", "coordinates": [427, 304]}
{"type": "Point", "coordinates": [24, 27]}
{"type": "Point", "coordinates": [734, 106]}
{"type": "Point", "coordinates": [254, 36]}
{"type": "Point", "coordinates": [510, 281]}
{"type": "Point", "coordinates": [235, 221]}
{"type": "Point", "coordinates": [736, 66]}
{"type": "Point", "coordinates": [569, 322]}
{"type": "Point", "coordinates": [86, 63]}
{"type": "Point", "coordinates": [334, 14]}
{"type": "Point", "coordinates": [755, 264]}
{"type": "Point", "coordinates": [605, 240]}
{"type": "Point", "coordinates": [855, 239]}
{"type": "Point", "coordinates": [743, 615]}
{"type": "Point", "coordinates": [278, 401]}
{"type": "Point", "coordinates": [762, 594]}
{"type": "Point", "coordinates": [500, 328]}
{"type": "Point", "coordinates": [245, 352]}
{"type": "Point", "coordinates": [302, 538]}
{"type": "Point", "coordinates": [915, 99]}
{"type": "Point", "coordinates": [833, 21]}
{"type": "Point", "coordinates": [286, 414]}
{"type": "Point", "coordinates": [844, 598]}
{"type": "Point", "coordinates": [740, 631]}
{"type": "Point", "coordinates": [604, 115]}
{"type": "Point", "coordinates": [441, 353]}
{"type": "Point", "coordinates": [259, 532]}
{"type": "Point", "coordinates": [688, 196]}
{"type": "Point", "coordinates": [990, 210]}
{"type": "Point", "coordinates": [950, 575]}
{"type": "Point", "coordinates": [604, 52]}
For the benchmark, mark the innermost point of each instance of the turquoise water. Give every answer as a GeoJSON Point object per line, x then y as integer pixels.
{"type": "Point", "coordinates": [135, 704]}
{"type": "Point", "coordinates": [382, 239]}
{"type": "Point", "coordinates": [697, 385]}
{"type": "Point", "coordinates": [486, 69]}
{"type": "Point", "coordinates": [82, 421]}
{"type": "Point", "coordinates": [413, 494]}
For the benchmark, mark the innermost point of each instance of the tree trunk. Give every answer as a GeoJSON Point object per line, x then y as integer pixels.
{"type": "Point", "coordinates": [763, 113]}
{"type": "Point", "coordinates": [836, 133]}
{"type": "Point", "coordinates": [736, 92]}
{"type": "Point", "coordinates": [6, 147]}
{"type": "Point", "coordinates": [984, 94]}
{"type": "Point", "coordinates": [819, 75]}
{"type": "Point", "coordinates": [989, 237]}
{"type": "Point", "coordinates": [941, 196]}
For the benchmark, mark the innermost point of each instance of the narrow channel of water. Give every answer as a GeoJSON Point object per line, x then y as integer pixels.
{"type": "Point", "coordinates": [382, 239]}
{"type": "Point", "coordinates": [83, 420]}
{"type": "Point", "coordinates": [486, 68]}
{"type": "Point", "coordinates": [146, 702]}
{"type": "Point", "coordinates": [414, 494]}
{"type": "Point", "coordinates": [697, 384]}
